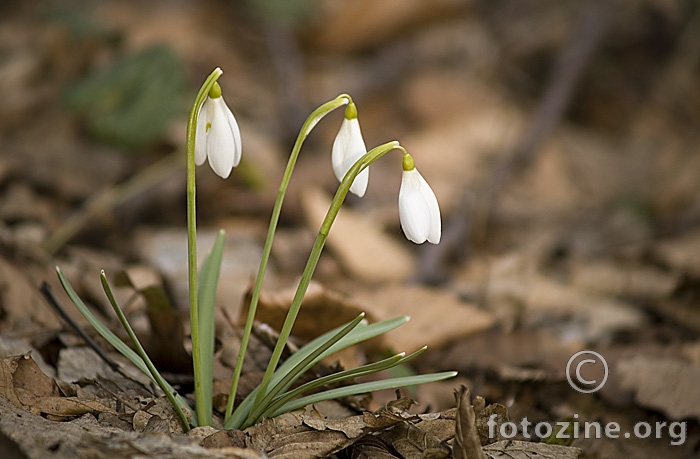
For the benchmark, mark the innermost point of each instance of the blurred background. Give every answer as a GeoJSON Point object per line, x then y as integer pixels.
{"type": "Point", "coordinates": [562, 140]}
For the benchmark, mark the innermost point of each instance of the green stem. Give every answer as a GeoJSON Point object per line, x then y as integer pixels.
{"type": "Point", "coordinates": [306, 128]}
{"type": "Point", "coordinates": [371, 156]}
{"type": "Point", "coordinates": [203, 407]}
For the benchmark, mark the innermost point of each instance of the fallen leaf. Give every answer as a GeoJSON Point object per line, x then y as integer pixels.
{"type": "Point", "coordinates": [665, 384]}
{"type": "Point", "coordinates": [27, 387]}
{"type": "Point", "coordinates": [483, 418]}
{"type": "Point", "coordinates": [514, 449]}
{"type": "Point", "coordinates": [576, 314]}
{"type": "Point", "coordinates": [286, 436]}
{"type": "Point", "coordinates": [370, 447]}
{"type": "Point", "coordinates": [360, 245]}
{"type": "Point", "coordinates": [631, 280]}
{"type": "Point", "coordinates": [75, 363]}
{"type": "Point", "coordinates": [413, 443]}
{"type": "Point", "coordinates": [21, 305]}
{"type": "Point", "coordinates": [466, 444]}
{"type": "Point", "coordinates": [437, 317]}
{"type": "Point", "coordinates": [322, 310]}
{"type": "Point", "coordinates": [361, 24]}
{"type": "Point", "coordinates": [455, 155]}
{"type": "Point", "coordinates": [28, 376]}
{"type": "Point", "coordinates": [681, 252]}
{"type": "Point", "coordinates": [84, 437]}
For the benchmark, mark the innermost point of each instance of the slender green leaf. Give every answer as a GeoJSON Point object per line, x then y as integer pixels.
{"type": "Point", "coordinates": [361, 333]}
{"type": "Point", "coordinates": [341, 376]}
{"type": "Point", "coordinates": [113, 339]}
{"type": "Point", "coordinates": [291, 376]}
{"type": "Point", "coordinates": [155, 375]}
{"type": "Point", "coordinates": [363, 388]}
{"type": "Point", "coordinates": [206, 298]}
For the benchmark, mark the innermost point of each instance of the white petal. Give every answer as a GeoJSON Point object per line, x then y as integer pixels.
{"type": "Point", "coordinates": [221, 143]}
{"type": "Point", "coordinates": [236, 132]}
{"type": "Point", "coordinates": [431, 201]}
{"type": "Point", "coordinates": [418, 209]}
{"type": "Point", "coordinates": [359, 185]}
{"type": "Point", "coordinates": [338, 151]}
{"type": "Point", "coordinates": [200, 137]}
{"type": "Point", "coordinates": [348, 148]}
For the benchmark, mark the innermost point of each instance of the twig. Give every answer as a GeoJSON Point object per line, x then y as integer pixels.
{"type": "Point", "coordinates": [45, 290]}
{"type": "Point", "coordinates": [566, 73]}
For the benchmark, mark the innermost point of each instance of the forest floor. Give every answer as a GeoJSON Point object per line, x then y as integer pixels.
{"type": "Point", "coordinates": [562, 140]}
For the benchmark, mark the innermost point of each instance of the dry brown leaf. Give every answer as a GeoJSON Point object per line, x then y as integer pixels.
{"type": "Point", "coordinates": [21, 305]}
{"type": "Point", "coordinates": [440, 425]}
{"type": "Point", "coordinates": [222, 438]}
{"type": "Point", "coordinates": [413, 443]}
{"type": "Point", "coordinates": [559, 180]}
{"type": "Point", "coordinates": [75, 363]}
{"type": "Point", "coordinates": [28, 376]}
{"type": "Point", "coordinates": [8, 366]}
{"type": "Point", "coordinates": [23, 383]}
{"type": "Point", "coordinates": [360, 245]}
{"type": "Point", "coordinates": [360, 24]}
{"type": "Point", "coordinates": [322, 310]}
{"type": "Point", "coordinates": [575, 313]}
{"type": "Point", "coordinates": [437, 317]}
{"type": "Point", "coordinates": [631, 280]}
{"type": "Point", "coordinates": [67, 407]}
{"type": "Point", "coordinates": [681, 253]}
{"type": "Point", "coordinates": [466, 444]}
{"type": "Point", "coordinates": [666, 384]}
{"type": "Point", "coordinates": [456, 155]}
{"type": "Point", "coordinates": [37, 437]}
{"type": "Point", "coordinates": [514, 449]}
{"type": "Point", "coordinates": [352, 427]}
{"type": "Point", "coordinates": [287, 436]}
{"type": "Point", "coordinates": [482, 422]}
{"type": "Point", "coordinates": [158, 415]}
{"type": "Point", "coordinates": [370, 447]}
{"type": "Point", "coordinates": [27, 387]}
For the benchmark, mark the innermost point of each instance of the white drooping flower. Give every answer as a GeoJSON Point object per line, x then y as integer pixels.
{"type": "Point", "coordinates": [418, 207]}
{"type": "Point", "coordinates": [218, 137]}
{"type": "Point", "coordinates": [348, 147]}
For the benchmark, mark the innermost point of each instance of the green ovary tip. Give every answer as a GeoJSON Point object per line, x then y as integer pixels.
{"type": "Point", "coordinates": [215, 91]}
{"type": "Point", "coordinates": [408, 163]}
{"type": "Point", "coordinates": [351, 111]}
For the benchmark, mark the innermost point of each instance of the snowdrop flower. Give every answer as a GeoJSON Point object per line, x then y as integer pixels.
{"type": "Point", "coordinates": [418, 208]}
{"type": "Point", "coordinates": [348, 147]}
{"type": "Point", "coordinates": [218, 137]}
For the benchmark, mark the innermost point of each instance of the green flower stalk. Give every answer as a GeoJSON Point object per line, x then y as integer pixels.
{"type": "Point", "coordinates": [323, 232]}
{"type": "Point", "coordinates": [215, 136]}
{"type": "Point", "coordinates": [304, 132]}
